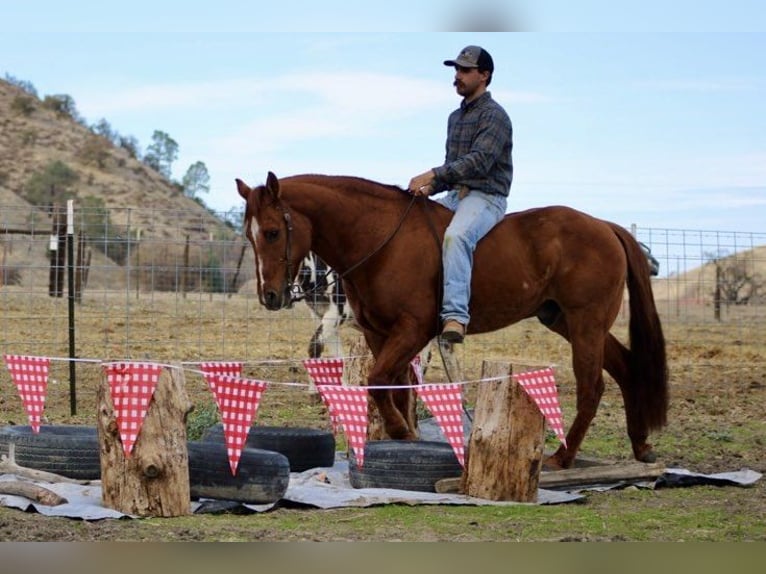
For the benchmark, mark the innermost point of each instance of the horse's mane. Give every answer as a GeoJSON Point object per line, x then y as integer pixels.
{"type": "Point", "coordinates": [359, 184]}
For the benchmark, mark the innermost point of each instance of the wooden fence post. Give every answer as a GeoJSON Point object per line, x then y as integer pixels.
{"type": "Point", "coordinates": [154, 479]}
{"type": "Point", "coordinates": [505, 452]}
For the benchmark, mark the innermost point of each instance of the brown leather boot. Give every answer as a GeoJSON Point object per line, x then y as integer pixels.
{"type": "Point", "coordinates": [453, 331]}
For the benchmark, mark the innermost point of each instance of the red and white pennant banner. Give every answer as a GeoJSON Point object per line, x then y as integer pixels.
{"type": "Point", "coordinates": [212, 369]}
{"type": "Point", "coordinates": [541, 387]}
{"type": "Point", "coordinates": [30, 375]}
{"type": "Point", "coordinates": [238, 401]}
{"type": "Point", "coordinates": [326, 372]}
{"type": "Point", "coordinates": [445, 402]}
{"type": "Point", "coordinates": [132, 386]}
{"type": "Point", "coordinates": [350, 406]}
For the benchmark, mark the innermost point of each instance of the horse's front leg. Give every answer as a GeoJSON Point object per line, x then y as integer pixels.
{"type": "Point", "coordinates": [395, 423]}
{"type": "Point", "coordinates": [392, 367]}
{"type": "Point", "coordinates": [394, 405]}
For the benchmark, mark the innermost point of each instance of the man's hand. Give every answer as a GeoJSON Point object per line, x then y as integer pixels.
{"type": "Point", "coordinates": [422, 184]}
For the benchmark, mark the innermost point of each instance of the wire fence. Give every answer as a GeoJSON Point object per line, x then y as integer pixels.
{"type": "Point", "coordinates": [174, 287]}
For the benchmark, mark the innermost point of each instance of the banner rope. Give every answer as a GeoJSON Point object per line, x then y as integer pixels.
{"type": "Point", "coordinates": [267, 362]}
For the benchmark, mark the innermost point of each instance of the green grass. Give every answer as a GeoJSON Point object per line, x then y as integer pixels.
{"type": "Point", "coordinates": [671, 515]}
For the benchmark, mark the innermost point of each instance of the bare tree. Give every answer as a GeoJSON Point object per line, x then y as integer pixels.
{"type": "Point", "coordinates": [735, 282]}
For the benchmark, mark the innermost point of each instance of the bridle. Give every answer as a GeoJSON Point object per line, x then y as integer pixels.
{"type": "Point", "coordinates": [288, 248]}
{"type": "Point", "coordinates": [287, 259]}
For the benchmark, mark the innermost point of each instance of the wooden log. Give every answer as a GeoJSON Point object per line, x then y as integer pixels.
{"type": "Point", "coordinates": [607, 474]}
{"type": "Point", "coordinates": [32, 492]}
{"type": "Point", "coordinates": [574, 477]}
{"type": "Point", "coordinates": [154, 479]}
{"type": "Point", "coordinates": [505, 450]}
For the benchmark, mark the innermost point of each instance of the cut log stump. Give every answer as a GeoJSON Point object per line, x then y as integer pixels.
{"type": "Point", "coordinates": [153, 480]}
{"type": "Point", "coordinates": [505, 450]}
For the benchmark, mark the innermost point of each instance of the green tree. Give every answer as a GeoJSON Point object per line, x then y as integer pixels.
{"type": "Point", "coordinates": [162, 152]}
{"type": "Point", "coordinates": [25, 85]}
{"type": "Point", "coordinates": [95, 222]}
{"type": "Point", "coordinates": [54, 182]}
{"type": "Point", "coordinates": [104, 129]}
{"type": "Point", "coordinates": [63, 105]}
{"type": "Point", "coordinates": [23, 105]}
{"type": "Point", "coordinates": [196, 180]}
{"type": "Point", "coordinates": [130, 144]}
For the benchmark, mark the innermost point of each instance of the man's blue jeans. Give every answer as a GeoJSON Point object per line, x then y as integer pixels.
{"type": "Point", "coordinates": [475, 215]}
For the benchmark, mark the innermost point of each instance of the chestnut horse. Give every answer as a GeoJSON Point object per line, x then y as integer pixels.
{"type": "Point", "coordinates": [562, 266]}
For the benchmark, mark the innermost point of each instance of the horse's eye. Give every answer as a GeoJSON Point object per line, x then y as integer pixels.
{"type": "Point", "coordinates": [271, 235]}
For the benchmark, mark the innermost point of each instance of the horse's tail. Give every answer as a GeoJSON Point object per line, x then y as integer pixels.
{"type": "Point", "coordinates": [648, 361]}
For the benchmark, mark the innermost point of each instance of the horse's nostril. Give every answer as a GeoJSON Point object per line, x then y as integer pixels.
{"type": "Point", "coordinates": [272, 300]}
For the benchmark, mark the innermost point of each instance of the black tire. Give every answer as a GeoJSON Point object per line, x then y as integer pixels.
{"type": "Point", "coordinates": [262, 475]}
{"type": "Point", "coordinates": [404, 464]}
{"type": "Point", "coordinates": [304, 447]}
{"type": "Point", "coordinates": [68, 450]}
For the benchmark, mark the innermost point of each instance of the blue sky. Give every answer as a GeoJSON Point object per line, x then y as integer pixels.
{"type": "Point", "coordinates": [651, 115]}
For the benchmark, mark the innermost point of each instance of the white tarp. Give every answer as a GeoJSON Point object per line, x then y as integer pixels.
{"type": "Point", "coordinates": [330, 488]}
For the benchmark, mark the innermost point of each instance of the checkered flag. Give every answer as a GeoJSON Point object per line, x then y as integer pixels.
{"type": "Point", "coordinates": [445, 401]}
{"type": "Point", "coordinates": [326, 372]}
{"type": "Point", "coordinates": [30, 375]}
{"type": "Point", "coordinates": [350, 406]}
{"type": "Point", "coordinates": [211, 369]}
{"type": "Point", "coordinates": [541, 388]}
{"type": "Point", "coordinates": [132, 386]}
{"type": "Point", "coordinates": [238, 401]}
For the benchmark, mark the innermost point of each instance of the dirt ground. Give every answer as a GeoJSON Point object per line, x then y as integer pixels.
{"type": "Point", "coordinates": [716, 420]}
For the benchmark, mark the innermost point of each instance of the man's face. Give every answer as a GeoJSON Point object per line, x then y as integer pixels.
{"type": "Point", "coordinates": [468, 80]}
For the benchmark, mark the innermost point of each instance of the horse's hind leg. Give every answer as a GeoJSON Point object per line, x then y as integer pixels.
{"type": "Point", "coordinates": [616, 357]}
{"type": "Point", "coordinates": [587, 360]}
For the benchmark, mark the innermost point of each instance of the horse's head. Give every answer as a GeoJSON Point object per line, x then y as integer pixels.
{"type": "Point", "coordinates": [279, 243]}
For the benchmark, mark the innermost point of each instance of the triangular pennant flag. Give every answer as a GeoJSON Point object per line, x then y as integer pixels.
{"type": "Point", "coordinates": [326, 372]}
{"type": "Point", "coordinates": [417, 368]}
{"type": "Point", "coordinates": [350, 406]}
{"type": "Point", "coordinates": [30, 375]}
{"type": "Point", "coordinates": [446, 405]}
{"type": "Point", "coordinates": [541, 387]}
{"type": "Point", "coordinates": [209, 369]}
{"type": "Point", "coordinates": [238, 401]}
{"type": "Point", "coordinates": [132, 387]}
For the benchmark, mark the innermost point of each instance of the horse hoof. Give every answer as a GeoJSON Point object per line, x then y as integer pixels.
{"type": "Point", "coordinates": [645, 454]}
{"type": "Point", "coordinates": [552, 463]}
{"type": "Point", "coordinates": [648, 457]}
{"type": "Point", "coordinates": [400, 433]}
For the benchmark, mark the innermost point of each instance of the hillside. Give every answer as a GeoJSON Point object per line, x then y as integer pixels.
{"type": "Point", "coordinates": [32, 138]}
{"type": "Point", "coordinates": [697, 285]}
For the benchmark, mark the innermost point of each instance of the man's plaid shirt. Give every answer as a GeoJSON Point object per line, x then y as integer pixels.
{"type": "Point", "coordinates": [479, 144]}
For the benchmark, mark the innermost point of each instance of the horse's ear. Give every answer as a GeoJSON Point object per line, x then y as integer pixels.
{"type": "Point", "coordinates": [243, 188]}
{"type": "Point", "coordinates": [272, 185]}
